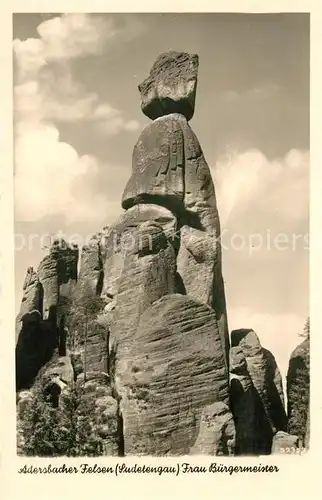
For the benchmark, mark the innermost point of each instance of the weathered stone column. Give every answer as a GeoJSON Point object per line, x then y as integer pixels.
{"type": "Point", "coordinates": [169, 340]}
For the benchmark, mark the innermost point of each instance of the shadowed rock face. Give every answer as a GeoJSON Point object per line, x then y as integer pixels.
{"type": "Point", "coordinates": [31, 295]}
{"type": "Point", "coordinates": [253, 431]}
{"type": "Point", "coordinates": [244, 401]}
{"type": "Point", "coordinates": [298, 392]}
{"type": "Point", "coordinates": [170, 86]}
{"type": "Point", "coordinates": [32, 298]}
{"type": "Point", "coordinates": [45, 304]}
{"type": "Point", "coordinates": [36, 344]}
{"type": "Point", "coordinates": [58, 275]}
{"type": "Point", "coordinates": [256, 393]}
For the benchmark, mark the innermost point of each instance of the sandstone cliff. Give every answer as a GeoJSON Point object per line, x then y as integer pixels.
{"type": "Point", "coordinates": [127, 351]}
{"type": "Point", "coordinates": [256, 394]}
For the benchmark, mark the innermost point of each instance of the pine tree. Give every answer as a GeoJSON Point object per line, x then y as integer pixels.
{"type": "Point", "coordinates": [48, 431]}
{"type": "Point", "coordinates": [306, 330]}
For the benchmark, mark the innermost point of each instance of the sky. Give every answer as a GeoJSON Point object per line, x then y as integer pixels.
{"type": "Point", "coordinates": [77, 117]}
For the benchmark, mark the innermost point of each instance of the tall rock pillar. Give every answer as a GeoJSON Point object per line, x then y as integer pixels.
{"type": "Point", "coordinates": [169, 340]}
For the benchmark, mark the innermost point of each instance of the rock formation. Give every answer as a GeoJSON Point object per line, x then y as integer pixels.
{"type": "Point", "coordinates": [284, 443]}
{"type": "Point", "coordinates": [46, 301]}
{"type": "Point", "coordinates": [217, 435]}
{"type": "Point", "coordinates": [31, 294]}
{"type": "Point", "coordinates": [168, 248]}
{"type": "Point", "coordinates": [298, 392]}
{"type": "Point", "coordinates": [257, 394]}
{"type": "Point", "coordinates": [130, 354]}
{"type": "Point", "coordinates": [170, 86]}
{"type": "Point", "coordinates": [246, 407]}
{"type": "Point", "coordinates": [36, 344]}
{"type": "Point", "coordinates": [174, 370]}
{"type": "Point", "coordinates": [91, 268]}
{"type": "Point", "coordinates": [57, 274]}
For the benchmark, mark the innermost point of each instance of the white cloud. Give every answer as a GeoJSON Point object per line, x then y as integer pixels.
{"type": "Point", "coordinates": [132, 125]}
{"type": "Point", "coordinates": [46, 169]}
{"type": "Point", "coordinates": [276, 190]}
{"type": "Point", "coordinates": [62, 38]}
{"type": "Point", "coordinates": [72, 36]}
{"type": "Point", "coordinates": [30, 56]}
{"type": "Point", "coordinates": [256, 195]}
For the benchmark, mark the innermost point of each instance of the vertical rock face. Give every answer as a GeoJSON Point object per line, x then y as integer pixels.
{"type": "Point", "coordinates": [31, 294]}
{"type": "Point", "coordinates": [87, 336]}
{"type": "Point", "coordinates": [217, 435]}
{"type": "Point", "coordinates": [36, 344]}
{"type": "Point", "coordinates": [199, 258]}
{"type": "Point", "coordinates": [252, 435]}
{"type": "Point", "coordinates": [58, 275]}
{"type": "Point", "coordinates": [298, 392]}
{"type": "Point", "coordinates": [175, 369]}
{"type": "Point", "coordinates": [130, 236]}
{"type": "Point", "coordinates": [171, 187]}
{"type": "Point", "coordinates": [258, 379]}
{"type": "Point", "coordinates": [91, 267]}
{"type": "Point", "coordinates": [46, 301]}
{"type": "Point", "coordinates": [148, 273]}
{"type": "Point", "coordinates": [32, 298]}
{"type": "Point", "coordinates": [48, 276]}
{"type": "Point", "coordinates": [158, 165]}
{"type": "Point", "coordinates": [170, 170]}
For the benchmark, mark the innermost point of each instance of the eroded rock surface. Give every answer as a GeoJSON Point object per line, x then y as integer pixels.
{"type": "Point", "coordinates": [149, 273]}
{"type": "Point", "coordinates": [170, 170]}
{"type": "Point", "coordinates": [298, 392]}
{"type": "Point", "coordinates": [91, 267]}
{"type": "Point", "coordinates": [253, 430]}
{"type": "Point", "coordinates": [158, 165]}
{"type": "Point", "coordinates": [261, 382]}
{"type": "Point", "coordinates": [31, 294]}
{"type": "Point", "coordinates": [217, 435]}
{"type": "Point", "coordinates": [171, 85]}
{"type": "Point", "coordinates": [58, 275]}
{"type": "Point", "coordinates": [175, 368]}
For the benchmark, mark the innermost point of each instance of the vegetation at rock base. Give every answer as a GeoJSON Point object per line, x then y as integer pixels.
{"type": "Point", "coordinates": [49, 431]}
{"type": "Point", "coordinates": [62, 431]}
